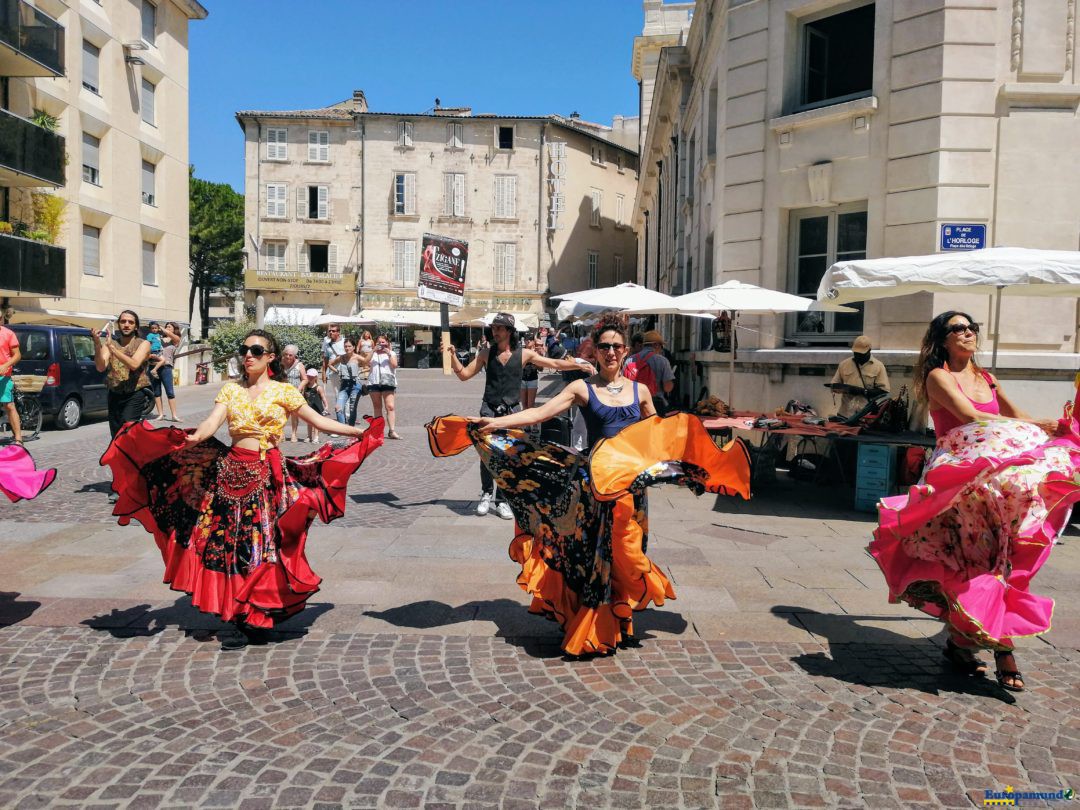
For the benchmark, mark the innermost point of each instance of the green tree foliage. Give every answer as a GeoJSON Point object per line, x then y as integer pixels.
{"type": "Point", "coordinates": [227, 336]}
{"type": "Point", "coordinates": [217, 240]}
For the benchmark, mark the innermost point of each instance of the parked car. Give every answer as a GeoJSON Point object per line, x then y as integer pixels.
{"type": "Point", "coordinates": [64, 356]}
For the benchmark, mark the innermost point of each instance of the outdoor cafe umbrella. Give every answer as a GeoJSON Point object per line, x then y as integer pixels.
{"type": "Point", "coordinates": [736, 297]}
{"type": "Point", "coordinates": [994, 271]}
{"type": "Point", "coordinates": [577, 305]}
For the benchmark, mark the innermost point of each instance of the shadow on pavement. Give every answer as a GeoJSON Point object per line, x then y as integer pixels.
{"type": "Point", "coordinates": [538, 636]}
{"type": "Point", "coordinates": [143, 620]}
{"type": "Point", "coordinates": [12, 611]}
{"type": "Point", "coordinates": [104, 487]}
{"type": "Point", "coordinates": [789, 498]}
{"type": "Point", "coordinates": [456, 505]}
{"type": "Point", "coordinates": [875, 657]}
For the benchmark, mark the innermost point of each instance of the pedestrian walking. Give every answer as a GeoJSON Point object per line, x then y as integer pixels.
{"type": "Point", "coordinates": [382, 384]}
{"type": "Point", "coordinates": [582, 525]}
{"type": "Point", "coordinates": [652, 368]}
{"type": "Point", "coordinates": [348, 367]}
{"type": "Point", "coordinates": [163, 371]}
{"type": "Point", "coordinates": [231, 522]}
{"type": "Point", "coordinates": [503, 362]}
{"type": "Point", "coordinates": [10, 355]}
{"type": "Point", "coordinates": [296, 376]}
{"type": "Point", "coordinates": [126, 364]}
{"type": "Point", "coordinates": [333, 345]}
{"type": "Point", "coordinates": [964, 543]}
{"type": "Point", "coordinates": [315, 397]}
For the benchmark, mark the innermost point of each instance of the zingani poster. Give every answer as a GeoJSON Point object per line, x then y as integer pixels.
{"type": "Point", "coordinates": [442, 270]}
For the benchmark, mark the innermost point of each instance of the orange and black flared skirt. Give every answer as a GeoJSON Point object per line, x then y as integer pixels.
{"type": "Point", "coordinates": [232, 524]}
{"type": "Point", "coordinates": [581, 522]}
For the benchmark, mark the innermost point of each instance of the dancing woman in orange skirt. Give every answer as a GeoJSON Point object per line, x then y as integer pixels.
{"type": "Point", "coordinates": [232, 522]}
{"type": "Point", "coordinates": [581, 520]}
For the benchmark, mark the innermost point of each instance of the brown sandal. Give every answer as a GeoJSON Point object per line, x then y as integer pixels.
{"type": "Point", "coordinates": [1013, 675]}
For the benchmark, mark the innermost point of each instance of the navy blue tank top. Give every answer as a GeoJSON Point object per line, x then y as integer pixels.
{"type": "Point", "coordinates": [604, 421]}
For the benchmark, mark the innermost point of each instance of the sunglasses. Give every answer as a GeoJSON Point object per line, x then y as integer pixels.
{"type": "Point", "coordinates": [256, 350]}
{"type": "Point", "coordinates": [960, 328]}
{"type": "Point", "coordinates": [610, 347]}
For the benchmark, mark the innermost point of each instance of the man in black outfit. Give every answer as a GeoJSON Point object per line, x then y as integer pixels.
{"type": "Point", "coordinates": [503, 360]}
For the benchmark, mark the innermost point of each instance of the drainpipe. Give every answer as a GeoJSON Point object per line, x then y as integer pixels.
{"type": "Point", "coordinates": [540, 221]}
{"type": "Point", "coordinates": [260, 301]}
{"type": "Point", "coordinates": [363, 211]}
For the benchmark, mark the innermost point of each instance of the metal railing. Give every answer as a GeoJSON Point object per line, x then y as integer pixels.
{"type": "Point", "coordinates": [30, 150]}
{"type": "Point", "coordinates": [34, 34]}
{"type": "Point", "coordinates": [27, 266]}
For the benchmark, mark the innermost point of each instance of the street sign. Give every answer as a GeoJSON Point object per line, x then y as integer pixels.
{"type": "Point", "coordinates": [958, 236]}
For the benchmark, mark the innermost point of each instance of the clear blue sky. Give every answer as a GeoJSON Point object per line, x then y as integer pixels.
{"type": "Point", "coordinates": [514, 57]}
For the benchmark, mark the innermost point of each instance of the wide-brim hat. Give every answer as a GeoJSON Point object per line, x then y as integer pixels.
{"type": "Point", "coordinates": [861, 344]}
{"type": "Point", "coordinates": [652, 336]}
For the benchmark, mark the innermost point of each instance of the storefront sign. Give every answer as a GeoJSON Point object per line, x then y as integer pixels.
{"type": "Point", "coordinates": [556, 177]}
{"type": "Point", "coordinates": [442, 269]}
{"type": "Point", "coordinates": [300, 282]}
{"type": "Point", "coordinates": [963, 237]}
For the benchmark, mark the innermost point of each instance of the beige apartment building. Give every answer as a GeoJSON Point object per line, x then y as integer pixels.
{"type": "Point", "coordinates": [114, 75]}
{"type": "Point", "coordinates": [784, 135]}
{"type": "Point", "coordinates": [338, 198]}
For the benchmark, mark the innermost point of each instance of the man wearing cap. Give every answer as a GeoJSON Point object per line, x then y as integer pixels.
{"type": "Point", "coordinates": [652, 355]}
{"type": "Point", "coordinates": [862, 371]}
{"type": "Point", "coordinates": [503, 361]}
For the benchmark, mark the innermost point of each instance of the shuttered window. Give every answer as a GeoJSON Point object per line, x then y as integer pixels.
{"type": "Point", "coordinates": [91, 55]}
{"type": "Point", "coordinates": [302, 263]}
{"type": "Point", "coordinates": [149, 22]}
{"type": "Point", "coordinates": [620, 205]}
{"type": "Point", "coordinates": [405, 193]}
{"type": "Point", "coordinates": [597, 200]}
{"type": "Point", "coordinates": [274, 257]}
{"type": "Point", "coordinates": [313, 202]}
{"type": "Point", "coordinates": [406, 268]}
{"type": "Point", "coordinates": [277, 144]}
{"type": "Point", "coordinates": [318, 146]}
{"type": "Point", "coordinates": [505, 265]}
{"type": "Point", "coordinates": [149, 267]}
{"type": "Point", "coordinates": [91, 250]}
{"type": "Point", "coordinates": [91, 159]}
{"type": "Point", "coordinates": [405, 139]}
{"type": "Point", "coordinates": [147, 101]}
{"type": "Point", "coordinates": [148, 196]}
{"type": "Point", "coordinates": [332, 259]}
{"type": "Point", "coordinates": [594, 266]}
{"type": "Point", "coordinates": [455, 136]}
{"type": "Point", "coordinates": [454, 194]}
{"type": "Point", "coordinates": [505, 196]}
{"type": "Point", "coordinates": [275, 200]}
{"type": "Point", "coordinates": [616, 269]}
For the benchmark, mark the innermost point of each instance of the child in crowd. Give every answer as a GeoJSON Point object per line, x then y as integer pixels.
{"type": "Point", "coordinates": [316, 398]}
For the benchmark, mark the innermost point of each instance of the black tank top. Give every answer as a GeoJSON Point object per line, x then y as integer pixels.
{"type": "Point", "coordinates": [503, 385]}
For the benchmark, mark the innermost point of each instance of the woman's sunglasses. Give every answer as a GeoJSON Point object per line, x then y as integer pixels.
{"type": "Point", "coordinates": [256, 350]}
{"type": "Point", "coordinates": [610, 347]}
{"type": "Point", "coordinates": [960, 328]}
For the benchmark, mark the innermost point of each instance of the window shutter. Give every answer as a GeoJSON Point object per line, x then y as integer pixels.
{"type": "Point", "coordinates": [450, 135]}
{"type": "Point", "coordinates": [331, 259]}
{"type": "Point", "coordinates": [459, 195]}
{"type": "Point", "coordinates": [410, 193]}
{"type": "Point", "coordinates": [511, 197]}
{"type": "Point", "coordinates": [148, 182]}
{"type": "Point", "coordinates": [90, 150]}
{"type": "Point", "coordinates": [312, 145]}
{"type": "Point", "coordinates": [399, 262]}
{"type": "Point", "coordinates": [411, 262]}
{"type": "Point", "coordinates": [500, 198]}
{"type": "Point", "coordinates": [406, 133]}
{"type": "Point", "coordinates": [302, 257]}
{"type": "Point", "coordinates": [301, 202]}
{"type": "Point", "coordinates": [91, 250]}
{"type": "Point", "coordinates": [147, 101]}
{"type": "Point", "coordinates": [149, 21]}
{"type": "Point", "coordinates": [149, 276]}
{"type": "Point", "coordinates": [448, 194]}
{"type": "Point", "coordinates": [324, 146]}
{"type": "Point", "coordinates": [91, 54]}
{"type": "Point", "coordinates": [324, 202]}
{"type": "Point", "coordinates": [277, 144]}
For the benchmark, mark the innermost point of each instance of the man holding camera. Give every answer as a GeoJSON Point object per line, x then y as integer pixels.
{"type": "Point", "coordinates": [503, 361]}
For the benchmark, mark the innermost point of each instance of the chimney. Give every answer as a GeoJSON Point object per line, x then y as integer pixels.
{"type": "Point", "coordinates": [359, 101]}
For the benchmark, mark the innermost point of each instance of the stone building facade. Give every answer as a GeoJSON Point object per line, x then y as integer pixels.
{"type": "Point", "coordinates": [338, 198]}
{"type": "Point", "coordinates": [121, 104]}
{"type": "Point", "coordinates": [784, 135]}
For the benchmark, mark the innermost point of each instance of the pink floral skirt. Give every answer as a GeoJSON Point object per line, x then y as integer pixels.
{"type": "Point", "coordinates": [965, 542]}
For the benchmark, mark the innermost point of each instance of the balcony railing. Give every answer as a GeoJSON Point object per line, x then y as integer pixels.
{"type": "Point", "coordinates": [31, 42]}
{"type": "Point", "coordinates": [31, 268]}
{"type": "Point", "coordinates": [29, 155]}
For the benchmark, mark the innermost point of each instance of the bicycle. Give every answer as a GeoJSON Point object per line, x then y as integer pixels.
{"type": "Point", "coordinates": [29, 409]}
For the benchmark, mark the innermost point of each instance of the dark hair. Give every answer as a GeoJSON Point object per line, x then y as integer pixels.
{"type": "Point", "coordinates": [609, 323]}
{"type": "Point", "coordinates": [276, 371]}
{"type": "Point", "coordinates": [514, 340]}
{"type": "Point", "coordinates": [133, 314]}
{"type": "Point", "coordinates": [933, 353]}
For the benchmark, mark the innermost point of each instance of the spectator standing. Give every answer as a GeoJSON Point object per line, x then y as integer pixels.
{"type": "Point", "coordinates": [382, 383]}
{"type": "Point", "coordinates": [295, 375]}
{"type": "Point", "coordinates": [315, 397]}
{"type": "Point", "coordinates": [530, 376]}
{"type": "Point", "coordinates": [163, 371]}
{"type": "Point", "coordinates": [347, 366]}
{"type": "Point", "coordinates": [662, 380]}
{"type": "Point", "coordinates": [9, 356]}
{"type": "Point", "coordinates": [153, 337]}
{"type": "Point", "coordinates": [333, 346]}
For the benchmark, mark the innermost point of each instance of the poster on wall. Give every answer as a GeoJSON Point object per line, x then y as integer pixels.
{"type": "Point", "coordinates": [442, 270]}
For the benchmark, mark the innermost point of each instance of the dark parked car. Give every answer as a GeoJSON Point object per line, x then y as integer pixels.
{"type": "Point", "coordinates": [64, 356]}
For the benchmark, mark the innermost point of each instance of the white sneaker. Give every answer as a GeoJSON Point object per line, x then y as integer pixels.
{"type": "Point", "coordinates": [504, 511]}
{"type": "Point", "coordinates": [484, 506]}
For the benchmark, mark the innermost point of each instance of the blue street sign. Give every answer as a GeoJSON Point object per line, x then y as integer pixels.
{"type": "Point", "coordinates": [963, 237]}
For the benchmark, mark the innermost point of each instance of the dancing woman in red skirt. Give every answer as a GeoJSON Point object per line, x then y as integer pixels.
{"type": "Point", "coordinates": [231, 522]}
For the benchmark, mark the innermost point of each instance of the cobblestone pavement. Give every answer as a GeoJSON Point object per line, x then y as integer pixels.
{"type": "Point", "coordinates": [779, 678]}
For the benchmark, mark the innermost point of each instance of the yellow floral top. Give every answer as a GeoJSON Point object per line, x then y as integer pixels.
{"type": "Point", "coordinates": [263, 417]}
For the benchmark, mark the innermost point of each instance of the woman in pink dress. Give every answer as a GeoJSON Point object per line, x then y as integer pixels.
{"type": "Point", "coordinates": [19, 476]}
{"type": "Point", "coordinates": [965, 542]}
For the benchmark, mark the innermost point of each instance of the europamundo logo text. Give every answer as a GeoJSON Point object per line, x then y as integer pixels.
{"type": "Point", "coordinates": [1011, 797]}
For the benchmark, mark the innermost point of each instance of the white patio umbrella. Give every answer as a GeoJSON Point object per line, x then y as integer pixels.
{"type": "Point", "coordinates": [523, 321]}
{"type": "Point", "coordinates": [738, 297]}
{"type": "Point", "coordinates": [323, 320]}
{"type": "Point", "coordinates": [991, 271]}
{"type": "Point", "coordinates": [580, 304]}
